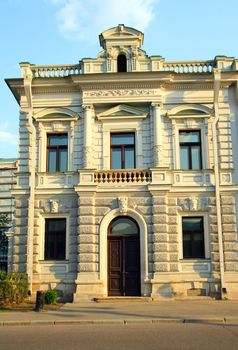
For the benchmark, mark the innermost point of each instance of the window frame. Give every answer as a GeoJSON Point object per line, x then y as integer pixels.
{"type": "Point", "coordinates": [192, 240]}
{"type": "Point", "coordinates": [189, 146]}
{"type": "Point", "coordinates": [122, 147]}
{"type": "Point", "coordinates": [4, 262]}
{"type": "Point", "coordinates": [42, 254]}
{"type": "Point", "coordinates": [57, 148]}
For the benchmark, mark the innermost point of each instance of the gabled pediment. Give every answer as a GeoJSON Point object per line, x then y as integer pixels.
{"type": "Point", "coordinates": [50, 114]}
{"type": "Point", "coordinates": [122, 112]}
{"type": "Point", "coordinates": [121, 33]}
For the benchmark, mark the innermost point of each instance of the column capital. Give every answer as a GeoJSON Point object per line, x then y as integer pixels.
{"type": "Point", "coordinates": [156, 105]}
{"type": "Point", "coordinates": [87, 107]}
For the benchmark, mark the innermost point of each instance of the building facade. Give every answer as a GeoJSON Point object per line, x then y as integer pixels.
{"type": "Point", "coordinates": [128, 173]}
{"type": "Point", "coordinates": [8, 168]}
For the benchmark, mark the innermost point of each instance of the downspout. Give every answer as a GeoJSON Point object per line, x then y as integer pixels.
{"type": "Point", "coordinates": [27, 75]}
{"type": "Point", "coordinates": [217, 84]}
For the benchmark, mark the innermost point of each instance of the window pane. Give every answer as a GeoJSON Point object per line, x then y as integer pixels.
{"type": "Point", "coordinates": [193, 224]}
{"type": "Point", "coordinates": [184, 158]}
{"type": "Point", "coordinates": [55, 239]}
{"type": "Point", "coordinates": [123, 226]}
{"type": "Point", "coordinates": [187, 249]}
{"type": "Point", "coordinates": [189, 136]}
{"type": "Point", "coordinates": [123, 139]}
{"type": "Point", "coordinates": [58, 140]}
{"type": "Point", "coordinates": [63, 160]}
{"type": "Point", "coordinates": [196, 157]}
{"type": "Point", "coordinates": [51, 160]}
{"type": "Point", "coordinates": [116, 158]}
{"type": "Point", "coordinates": [198, 246]}
{"type": "Point", "coordinates": [129, 158]}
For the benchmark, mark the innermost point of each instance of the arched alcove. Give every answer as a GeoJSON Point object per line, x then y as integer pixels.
{"type": "Point", "coordinates": [121, 63]}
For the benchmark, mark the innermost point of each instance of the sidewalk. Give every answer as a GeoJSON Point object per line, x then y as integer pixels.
{"type": "Point", "coordinates": [199, 311]}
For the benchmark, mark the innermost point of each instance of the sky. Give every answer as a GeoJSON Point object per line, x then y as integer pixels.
{"type": "Point", "coordinates": [64, 31]}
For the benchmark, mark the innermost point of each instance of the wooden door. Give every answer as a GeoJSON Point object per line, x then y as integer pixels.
{"type": "Point", "coordinates": [123, 265]}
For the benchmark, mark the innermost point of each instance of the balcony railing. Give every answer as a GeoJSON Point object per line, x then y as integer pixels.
{"type": "Point", "coordinates": [189, 67]}
{"type": "Point", "coordinates": [137, 176]}
{"type": "Point", "coordinates": [55, 71]}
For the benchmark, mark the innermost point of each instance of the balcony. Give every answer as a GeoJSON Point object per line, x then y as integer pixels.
{"type": "Point", "coordinates": [128, 176]}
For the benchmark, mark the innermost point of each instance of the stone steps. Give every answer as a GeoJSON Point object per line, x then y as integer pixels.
{"type": "Point", "coordinates": [122, 299]}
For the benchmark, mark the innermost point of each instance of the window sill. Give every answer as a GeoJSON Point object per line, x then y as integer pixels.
{"type": "Point", "coordinates": [56, 261]}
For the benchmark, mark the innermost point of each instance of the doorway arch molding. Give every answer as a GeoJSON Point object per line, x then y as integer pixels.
{"type": "Point", "coordinates": [103, 232]}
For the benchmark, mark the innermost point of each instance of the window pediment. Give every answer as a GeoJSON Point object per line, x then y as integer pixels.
{"type": "Point", "coordinates": [56, 114]}
{"type": "Point", "coordinates": [190, 111]}
{"type": "Point", "coordinates": [122, 112]}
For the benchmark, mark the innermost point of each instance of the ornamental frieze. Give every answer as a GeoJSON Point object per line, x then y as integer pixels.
{"type": "Point", "coordinates": [123, 92]}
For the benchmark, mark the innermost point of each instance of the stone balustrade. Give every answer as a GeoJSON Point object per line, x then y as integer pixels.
{"type": "Point", "coordinates": [55, 71]}
{"type": "Point", "coordinates": [189, 67]}
{"type": "Point", "coordinates": [123, 176]}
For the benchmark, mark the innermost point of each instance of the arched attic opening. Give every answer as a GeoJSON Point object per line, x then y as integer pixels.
{"type": "Point", "coordinates": [121, 63]}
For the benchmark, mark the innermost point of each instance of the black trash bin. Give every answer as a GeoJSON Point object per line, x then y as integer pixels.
{"type": "Point", "coordinates": [40, 300]}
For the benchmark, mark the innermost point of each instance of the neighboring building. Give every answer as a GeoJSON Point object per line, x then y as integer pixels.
{"type": "Point", "coordinates": [8, 168]}
{"type": "Point", "coordinates": [128, 174]}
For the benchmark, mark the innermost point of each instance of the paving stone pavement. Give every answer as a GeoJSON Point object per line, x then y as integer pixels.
{"type": "Point", "coordinates": [199, 311]}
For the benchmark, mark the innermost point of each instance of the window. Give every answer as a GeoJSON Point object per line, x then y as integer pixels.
{"type": "Point", "coordinates": [190, 150]}
{"type": "Point", "coordinates": [57, 152]}
{"type": "Point", "coordinates": [123, 226]}
{"type": "Point", "coordinates": [121, 63]}
{"type": "Point", "coordinates": [3, 249]}
{"type": "Point", "coordinates": [193, 237]}
{"type": "Point", "coordinates": [55, 239]}
{"type": "Point", "coordinates": [123, 151]}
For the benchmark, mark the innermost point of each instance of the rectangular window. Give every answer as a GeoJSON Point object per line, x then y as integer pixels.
{"type": "Point", "coordinates": [57, 152]}
{"type": "Point", "coordinates": [193, 237]}
{"type": "Point", "coordinates": [122, 151]}
{"type": "Point", "coordinates": [3, 248]}
{"type": "Point", "coordinates": [55, 239]}
{"type": "Point", "coordinates": [190, 150]}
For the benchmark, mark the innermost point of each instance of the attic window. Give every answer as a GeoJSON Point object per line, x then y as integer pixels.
{"type": "Point", "coordinates": [121, 63]}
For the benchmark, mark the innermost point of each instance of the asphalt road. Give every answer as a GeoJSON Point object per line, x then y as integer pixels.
{"type": "Point", "coordinates": [129, 336]}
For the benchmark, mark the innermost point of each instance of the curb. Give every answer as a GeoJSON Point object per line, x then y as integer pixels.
{"type": "Point", "coordinates": [120, 321]}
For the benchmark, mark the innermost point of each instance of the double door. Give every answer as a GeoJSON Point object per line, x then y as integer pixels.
{"type": "Point", "coordinates": [124, 265]}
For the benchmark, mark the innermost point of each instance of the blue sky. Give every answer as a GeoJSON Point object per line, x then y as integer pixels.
{"type": "Point", "coordinates": [64, 31]}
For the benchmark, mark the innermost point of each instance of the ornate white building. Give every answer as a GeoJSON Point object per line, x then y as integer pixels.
{"type": "Point", "coordinates": [128, 174]}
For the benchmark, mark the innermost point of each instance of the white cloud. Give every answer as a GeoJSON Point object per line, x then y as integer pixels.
{"type": "Point", "coordinates": [7, 137]}
{"type": "Point", "coordinates": [83, 20]}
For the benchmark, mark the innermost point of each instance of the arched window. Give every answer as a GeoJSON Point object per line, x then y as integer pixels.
{"type": "Point", "coordinates": [123, 226]}
{"type": "Point", "coordinates": [121, 63]}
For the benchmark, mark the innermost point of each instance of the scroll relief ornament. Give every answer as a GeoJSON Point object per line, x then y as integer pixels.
{"type": "Point", "coordinates": [193, 204]}
{"type": "Point", "coordinates": [123, 204]}
{"type": "Point", "coordinates": [54, 206]}
{"type": "Point", "coordinates": [124, 92]}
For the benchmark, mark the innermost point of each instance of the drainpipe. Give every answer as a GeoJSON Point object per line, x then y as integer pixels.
{"type": "Point", "coordinates": [217, 83]}
{"type": "Point", "coordinates": [26, 73]}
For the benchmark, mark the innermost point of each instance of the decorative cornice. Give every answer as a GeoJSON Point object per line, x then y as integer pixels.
{"type": "Point", "coordinates": [121, 92]}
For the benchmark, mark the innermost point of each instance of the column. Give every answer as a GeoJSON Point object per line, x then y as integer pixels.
{"type": "Point", "coordinates": [88, 136]}
{"type": "Point", "coordinates": [158, 146]}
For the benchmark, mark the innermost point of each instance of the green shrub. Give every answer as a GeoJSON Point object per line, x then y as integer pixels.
{"type": "Point", "coordinates": [51, 296]}
{"type": "Point", "coordinates": [13, 287]}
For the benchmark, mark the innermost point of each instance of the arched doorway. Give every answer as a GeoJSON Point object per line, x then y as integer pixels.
{"type": "Point", "coordinates": [124, 257]}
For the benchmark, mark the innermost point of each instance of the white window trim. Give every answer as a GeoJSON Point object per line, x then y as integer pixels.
{"type": "Point", "coordinates": [119, 127]}
{"type": "Point", "coordinates": [189, 124]}
{"type": "Point", "coordinates": [54, 127]}
{"type": "Point", "coordinates": [42, 238]}
{"type": "Point", "coordinates": [206, 235]}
